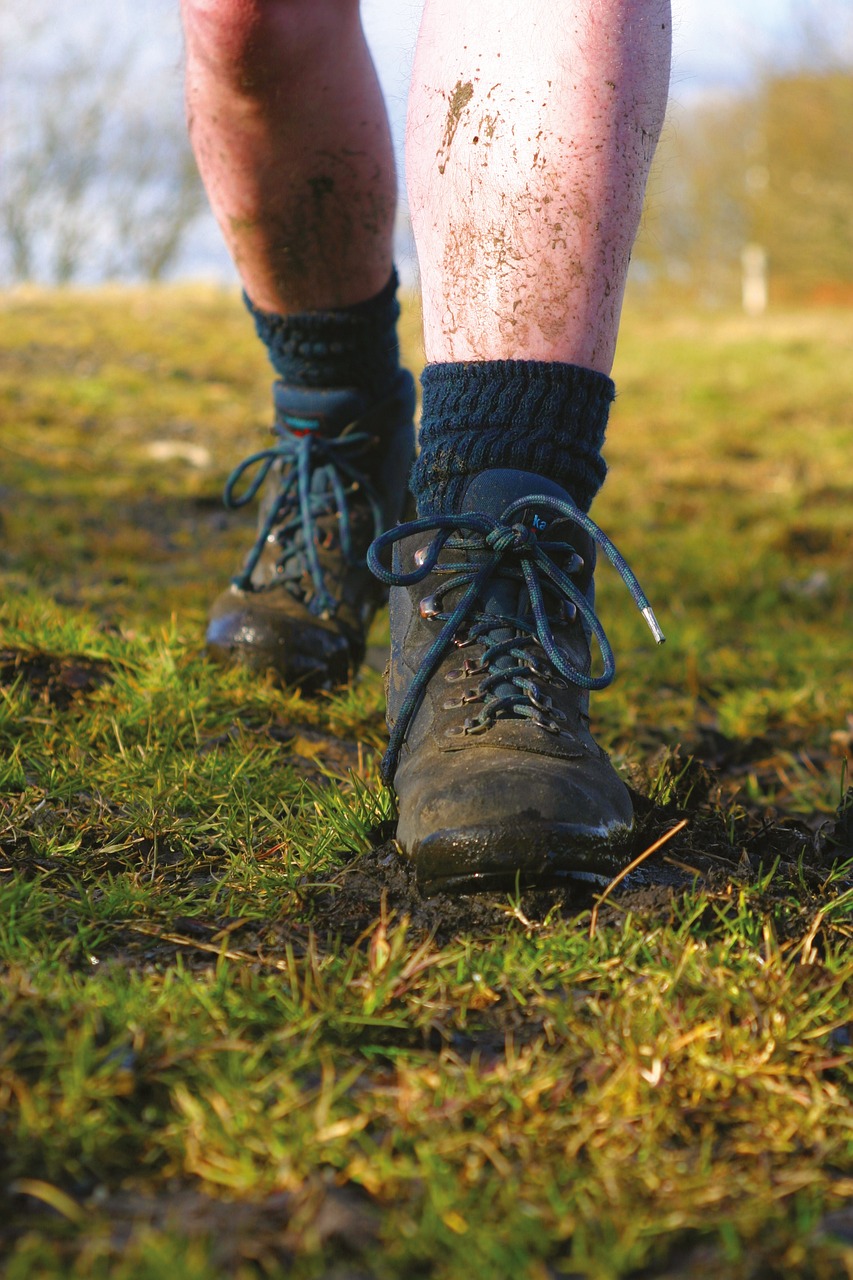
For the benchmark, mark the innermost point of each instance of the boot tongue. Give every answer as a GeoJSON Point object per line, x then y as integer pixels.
{"type": "Point", "coordinates": [325, 411]}
{"type": "Point", "coordinates": [492, 492]}
{"type": "Point", "coordinates": [320, 412]}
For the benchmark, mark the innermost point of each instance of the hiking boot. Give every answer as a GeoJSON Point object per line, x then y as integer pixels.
{"type": "Point", "coordinates": [334, 480]}
{"type": "Point", "coordinates": [498, 779]}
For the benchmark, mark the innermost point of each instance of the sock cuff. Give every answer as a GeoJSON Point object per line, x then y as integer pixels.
{"type": "Point", "coordinates": [545, 417]}
{"type": "Point", "coordinates": [354, 346]}
{"type": "Point", "coordinates": [509, 387]}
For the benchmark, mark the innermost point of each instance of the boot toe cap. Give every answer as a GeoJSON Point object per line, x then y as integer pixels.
{"type": "Point", "coordinates": [250, 631]}
{"type": "Point", "coordinates": [531, 817]}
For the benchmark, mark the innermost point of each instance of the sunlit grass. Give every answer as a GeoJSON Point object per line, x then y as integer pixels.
{"type": "Point", "coordinates": [234, 1040]}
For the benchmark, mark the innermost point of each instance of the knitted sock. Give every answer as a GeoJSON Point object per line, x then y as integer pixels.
{"type": "Point", "coordinates": [524, 414]}
{"type": "Point", "coordinates": [349, 347]}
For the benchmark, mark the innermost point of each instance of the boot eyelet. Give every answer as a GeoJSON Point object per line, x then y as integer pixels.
{"type": "Point", "coordinates": [452, 704]}
{"type": "Point", "coordinates": [540, 700]}
{"type": "Point", "coordinates": [565, 612]}
{"type": "Point", "coordinates": [477, 726]}
{"type": "Point", "coordinates": [421, 556]}
{"type": "Point", "coordinates": [428, 607]}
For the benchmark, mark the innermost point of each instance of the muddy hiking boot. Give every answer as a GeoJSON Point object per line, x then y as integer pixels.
{"type": "Point", "coordinates": [498, 779]}
{"type": "Point", "coordinates": [334, 480]}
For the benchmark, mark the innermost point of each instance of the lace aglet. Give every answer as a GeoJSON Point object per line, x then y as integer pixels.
{"type": "Point", "coordinates": [654, 627]}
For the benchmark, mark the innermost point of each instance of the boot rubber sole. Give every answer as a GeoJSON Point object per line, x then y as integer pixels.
{"type": "Point", "coordinates": [483, 860]}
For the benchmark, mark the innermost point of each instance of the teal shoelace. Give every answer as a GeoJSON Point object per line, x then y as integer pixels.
{"type": "Point", "coordinates": [501, 548]}
{"type": "Point", "coordinates": [320, 477]}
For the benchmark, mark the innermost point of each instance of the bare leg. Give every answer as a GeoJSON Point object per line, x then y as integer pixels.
{"type": "Point", "coordinates": [291, 137]}
{"type": "Point", "coordinates": [531, 132]}
{"type": "Point", "coordinates": [292, 140]}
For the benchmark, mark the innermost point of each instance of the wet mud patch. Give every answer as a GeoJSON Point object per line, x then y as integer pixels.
{"type": "Point", "coordinates": [341, 1222]}
{"type": "Point", "coordinates": [53, 679]}
{"type": "Point", "coordinates": [348, 901]}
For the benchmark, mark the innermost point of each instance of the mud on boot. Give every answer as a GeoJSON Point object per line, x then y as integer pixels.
{"type": "Point", "coordinates": [497, 776]}
{"type": "Point", "coordinates": [334, 480]}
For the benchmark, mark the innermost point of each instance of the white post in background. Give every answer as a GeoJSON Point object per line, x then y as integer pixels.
{"type": "Point", "coordinates": [753, 260]}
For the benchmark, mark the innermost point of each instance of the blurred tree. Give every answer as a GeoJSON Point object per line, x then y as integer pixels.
{"type": "Point", "coordinates": [97, 179]}
{"type": "Point", "coordinates": [800, 182]}
{"type": "Point", "coordinates": [696, 219]}
{"type": "Point", "coordinates": [769, 166]}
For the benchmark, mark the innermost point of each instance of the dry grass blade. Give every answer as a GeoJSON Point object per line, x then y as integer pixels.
{"type": "Point", "coordinates": [54, 1197]}
{"type": "Point", "coordinates": [632, 866]}
{"type": "Point", "coordinates": [809, 953]}
{"type": "Point", "coordinates": [194, 944]}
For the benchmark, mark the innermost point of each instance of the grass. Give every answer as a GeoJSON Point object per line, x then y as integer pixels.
{"type": "Point", "coordinates": [235, 1042]}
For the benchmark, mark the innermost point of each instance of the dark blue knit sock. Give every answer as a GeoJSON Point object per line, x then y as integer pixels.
{"type": "Point", "coordinates": [524, 414]}
{"type": "Point", "coordinates": [349, 347]}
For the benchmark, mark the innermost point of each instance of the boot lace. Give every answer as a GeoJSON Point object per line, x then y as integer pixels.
{"type": "Point", "coordinates": [504, 548]}
{"type": "Point", "coordinates": [319, 477]}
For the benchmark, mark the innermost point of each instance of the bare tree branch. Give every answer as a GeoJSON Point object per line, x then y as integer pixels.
{"type": "Point", "coordinates": [98, 179]}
